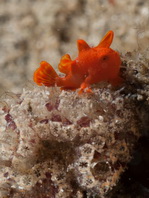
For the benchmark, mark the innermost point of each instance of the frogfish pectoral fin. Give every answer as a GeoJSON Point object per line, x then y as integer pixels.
{"type": "Point", "coordinates": [107, 40]}
{"type": "Point", "coordinates": [65, 64]}
{"type": "Point", "coordinates": [45, 75]}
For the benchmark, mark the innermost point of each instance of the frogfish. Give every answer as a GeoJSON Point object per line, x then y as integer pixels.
{"type": "Point", "coordinates": [93, 65]}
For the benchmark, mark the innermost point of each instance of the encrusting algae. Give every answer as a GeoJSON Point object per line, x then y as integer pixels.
{"type": "Point", "coordinates": [58, 143]}
{"type": "Point", "coordinates": [62, 144]}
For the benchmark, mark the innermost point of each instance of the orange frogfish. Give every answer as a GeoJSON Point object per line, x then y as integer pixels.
{"type": "Point", "coordinates": [93, 65]}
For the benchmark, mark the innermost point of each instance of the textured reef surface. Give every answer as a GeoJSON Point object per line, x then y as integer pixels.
{"type": "Point", "coordinates": [37, 30]}
{"type": "Point", "coordinates": [60, 144]}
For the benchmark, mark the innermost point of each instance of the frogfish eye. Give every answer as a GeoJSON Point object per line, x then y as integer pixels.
{"type": "Point", "coordinates": [104, 58]}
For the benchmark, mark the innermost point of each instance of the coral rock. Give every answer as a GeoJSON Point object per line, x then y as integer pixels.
{"type": "Point", "coordinates": [61, 144]}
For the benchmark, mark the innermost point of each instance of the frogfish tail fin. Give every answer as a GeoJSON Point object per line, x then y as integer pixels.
{"type": "Point", "coordinates": [45, 75]}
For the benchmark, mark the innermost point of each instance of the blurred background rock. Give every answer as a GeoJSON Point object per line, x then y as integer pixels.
{"type": "Point", "coordinates": [36, 30]}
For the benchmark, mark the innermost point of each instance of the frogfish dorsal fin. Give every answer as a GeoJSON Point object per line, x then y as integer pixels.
{"type": "Point", "coordinates": [82, 45]}
{"type": "Point", "coordinates": [107, 40]}
{"type": "Point", "coordinates": [65, 64]}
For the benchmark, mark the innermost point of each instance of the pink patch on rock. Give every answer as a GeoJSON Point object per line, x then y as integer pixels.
{"type": "Point", "coordinates": [48, 175]}
{"type": "Point", "coordinates": [66, 122]}
{"type": "Point", "coordinates": [10, 123]}
{"type": "Point", "coordinates": [6, 174]}
{"type": "Point", "coordinates": [45, 189]}
{"type": "Point", "coordinates": [84, 121]}
{"type": "Point", "coordinates": [44, 121]}
{"type": "Point", "coordinates": [6, 109]}
{"type": "Point", "coordinates": [50, 106]}
{"type": "Point", "coordinates": [32, 141]}
{"type": "Point", "coordinates": [97, 155]}
{"type": "Point", "coordinates": [56, 118]}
